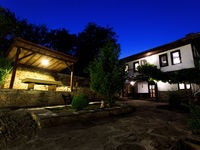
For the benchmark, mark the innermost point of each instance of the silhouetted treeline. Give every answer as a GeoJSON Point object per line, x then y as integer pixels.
{"type": "Point", "coordinates": [85, 45]}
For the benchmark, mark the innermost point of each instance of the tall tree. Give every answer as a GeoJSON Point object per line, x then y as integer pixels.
{"type": "Point", "coordinates": [89, 42]}
{"type": "Point", "coordinates": [8, 28]}
{"type": "Point", "coordinates": [107, 75]}
{"type": "Point", "coordinates": [12, 27]}
{"type": "Point", "coordinates": [62, 41]}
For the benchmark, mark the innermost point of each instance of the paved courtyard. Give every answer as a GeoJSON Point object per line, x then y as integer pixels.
{"type": "Point", "coordinates": [147, 128]}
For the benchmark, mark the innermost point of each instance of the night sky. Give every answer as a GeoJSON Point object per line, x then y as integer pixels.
{"type": "Point", "coordinates": [140, 24]}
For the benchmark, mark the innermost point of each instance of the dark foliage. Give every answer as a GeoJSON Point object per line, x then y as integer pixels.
{"type": "Point", "coordinates": [185, 75]}
{"type": "Point", "coordinates": [5, 68]}
{"type": "Point", "coordinates": [12, 27]}
{"type": "Point", "coordinates": [89, 43]}
{"type": "Point", "coordinates": [107, 75]}
{"type": "Point", "coordinates": [85, 46]}
{"type": "Point", "coordinates": [151, 72]}
{"type": "Point", "coordinates": [80, 101]}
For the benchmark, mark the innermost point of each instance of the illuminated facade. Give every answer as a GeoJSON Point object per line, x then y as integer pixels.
{"type": "Point", "coordinates": [177, 55]}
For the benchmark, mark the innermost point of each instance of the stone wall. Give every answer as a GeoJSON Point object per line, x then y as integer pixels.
{"type": "Point", "coordinates": [23, 72]}
{"type": "Point", "coordinates": [19, 96]}
{"type": "Point", "coordinates": [23, 98]}
{"type": "Point", "coordinates": [30, 98]}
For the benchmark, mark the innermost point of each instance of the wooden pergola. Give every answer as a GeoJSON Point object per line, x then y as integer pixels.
{"type": "Point", "coordinates": [28, 54]}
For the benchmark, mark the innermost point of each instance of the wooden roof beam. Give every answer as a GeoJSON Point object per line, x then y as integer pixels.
{"type": "Point", "coordinates": [69, 59]}
{"type": "Point", "coordinates": [26, 56]}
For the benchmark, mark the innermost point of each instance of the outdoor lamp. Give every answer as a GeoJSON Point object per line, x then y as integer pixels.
{"type": "Point", "coordinates": [45, 62]}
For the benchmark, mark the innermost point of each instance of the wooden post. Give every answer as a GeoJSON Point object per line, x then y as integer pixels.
{"type": "Point", "coordinates": [14, 68]}
{"type": "Point", "coordinates": [31, 86]}
{"type": "Point", "coordinates": [51, 87]}
{"type": "Point", "coordinates": [71, 79]}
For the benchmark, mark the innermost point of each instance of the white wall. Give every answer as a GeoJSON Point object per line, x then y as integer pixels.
{"type": "Point", "coordinates": [142, 87]}
{"type": "Point", "coordinates": [162, 86]}
{"type": "Point", "coordinates": [186, 57]}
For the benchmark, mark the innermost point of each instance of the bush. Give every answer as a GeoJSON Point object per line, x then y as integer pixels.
{"type": "Point", "coordinates": [174, 99]}
{"type": "Point", "coordinates": [5, 68]}
{"type": "Point", "coordinates": [80, 101]}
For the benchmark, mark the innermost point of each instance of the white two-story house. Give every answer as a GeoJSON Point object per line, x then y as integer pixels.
{"type": "Point", "coordinates": [177, 55]}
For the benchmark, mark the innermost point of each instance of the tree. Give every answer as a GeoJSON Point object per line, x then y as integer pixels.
{"type": "Point", "coordinates": [8, 28]}
{"type": "Point", "coordinates": [89, 42]}
{"type": "Point", "coordinates": [107, 75]}
{"type": "Point", "coordinates": [85, 46]}
{"type": "Point", "coordinates": [151, 72]}
{"type": "Point", "coordinates": [62, 41]}
{"type": "Point", "coordinates": [12, 27]}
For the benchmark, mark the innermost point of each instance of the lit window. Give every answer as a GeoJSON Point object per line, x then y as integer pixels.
{"type": "Point", "coordinates": [143, 62]}
{"type": "Point", "coordinates": [181, 86]}
{"type": "Point", "coordinates": [135, 65]}
{"type": "Point", "coordinates": [188, 86]}
{"type": "Point", "coordinates": [126, 68]}
{"type": "Point", "coordinates": [163, 60]}
{"type": "Point", "coordinates": [176, 57]}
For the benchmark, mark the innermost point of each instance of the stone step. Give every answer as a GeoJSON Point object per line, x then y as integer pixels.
{"type": "Point", "coordinates": [46, 118]}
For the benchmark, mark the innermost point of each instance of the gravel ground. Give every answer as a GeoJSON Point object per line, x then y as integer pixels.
{"type": "Point", "coordinates": [147, 128]}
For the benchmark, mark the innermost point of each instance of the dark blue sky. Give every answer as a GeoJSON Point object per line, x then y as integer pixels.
{"type": "Point", "coordinates": [140, 24]}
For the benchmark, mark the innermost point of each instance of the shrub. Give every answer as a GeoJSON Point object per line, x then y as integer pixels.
{"type": "Point", "coordinates": [174, 99]}
{"type": "Point", "coordinates": [80, 101]}
{"type": "Point", "coordinates": [5, 68]}
{"type": "Point", "coordinates": [107, 73]}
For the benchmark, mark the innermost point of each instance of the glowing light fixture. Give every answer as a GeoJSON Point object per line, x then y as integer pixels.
{"type": "Point", "coordinates": [45, 62]}
{"type": "Point", "coordinates": [132, 83]}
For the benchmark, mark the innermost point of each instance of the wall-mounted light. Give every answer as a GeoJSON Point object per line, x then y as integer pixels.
{"type": "Point", "coordinates": [45, 62]}
{"type": "Point", "coordinates": [132, 83]}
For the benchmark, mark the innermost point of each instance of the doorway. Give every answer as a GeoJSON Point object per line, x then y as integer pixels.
{"type": "Point", "coordinates": [153, 89]}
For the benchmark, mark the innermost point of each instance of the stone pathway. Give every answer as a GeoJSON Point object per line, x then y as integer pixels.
{"type": "Point", "coordinates": [147, 128]}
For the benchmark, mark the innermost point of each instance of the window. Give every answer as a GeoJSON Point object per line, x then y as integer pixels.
{"type": "Point", "coordinates": [143, 61]}
{"type": "Point", "coordinates": [176, 57]}
{"type": "Point", "coordinates": [183, 86]}
{"type": "Point", "coordinates": [188, 86]}
{"type": "Point", "coordinates": [126, 68]}
{"type": "Point", "coordinates": [163, 60]}
{"type": "Point", "coordinates": [135, 65]}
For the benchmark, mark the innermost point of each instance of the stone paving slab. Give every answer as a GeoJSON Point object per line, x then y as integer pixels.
{"type": "Point", "coordinates": [46, 118]}
{"type": "Point", "coordinates": [148, 128]}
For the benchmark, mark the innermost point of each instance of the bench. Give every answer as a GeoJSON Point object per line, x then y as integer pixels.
{"type": "Point", "coordinates": [51, 84]}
